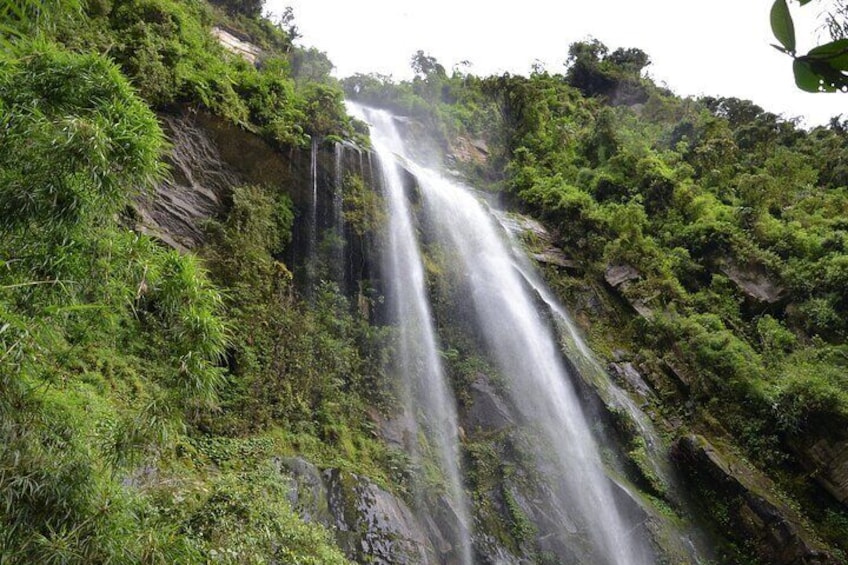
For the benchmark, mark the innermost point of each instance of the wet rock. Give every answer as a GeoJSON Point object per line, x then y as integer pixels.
{"type": "Point", "coordinates": [757, 517]}
{"type": "Point", "coordinates": [398, 431]}
{"type": "Point", "coordinates": [539, 239]}
{"type": "Point", "coordinates": [554, 256]}
{"type": "Point", "coordinates": [490, 551]}
{"type": "Point", "coordinates": [370, 524]}
{"type": "Point", "coordinates": [488, 410]}
{"type": "Point", "coordinates": [628, 373]}
{"type": "Point", "coordinates": [374, 525]}
{"type": "Point", "coordinates": [307, 492]}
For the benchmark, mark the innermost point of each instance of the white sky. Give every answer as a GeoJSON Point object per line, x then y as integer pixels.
{"type": "Point", "coordinates": [710, 47]}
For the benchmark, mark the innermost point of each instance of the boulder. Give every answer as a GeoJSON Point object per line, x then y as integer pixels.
{"type": "Point", "coordinates": [369, 523]}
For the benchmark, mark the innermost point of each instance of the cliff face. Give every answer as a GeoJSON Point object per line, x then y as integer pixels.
{"type": "Point", "coordinates": [209, 158]}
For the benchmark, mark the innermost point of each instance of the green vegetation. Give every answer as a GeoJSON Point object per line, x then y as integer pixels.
{"type": "Point", "coordinates": [144, 393]}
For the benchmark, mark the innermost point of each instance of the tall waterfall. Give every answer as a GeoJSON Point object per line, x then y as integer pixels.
{"type": "Point", "coordinates": [423, 386]}
{"type": "Point", "coordinates": [519, 338]}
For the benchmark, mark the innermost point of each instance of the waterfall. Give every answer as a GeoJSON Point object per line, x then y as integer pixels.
{"type": "Point", "coordinates": [518, 337]}
{"type": "Point", "coordinates": [424, 387]}
{"type": "Point", "coordinates": [583, 357]}
{"type": "Point", "coordinates": [312, 243]}
{"type": "Point", "coordinates": [338, 216]}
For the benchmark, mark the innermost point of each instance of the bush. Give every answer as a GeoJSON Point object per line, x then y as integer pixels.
{"type": "Point", "coordinates": [77, 142]}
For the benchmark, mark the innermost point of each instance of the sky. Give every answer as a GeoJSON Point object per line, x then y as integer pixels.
{"type": "Point", "coordinates": [713, 47]}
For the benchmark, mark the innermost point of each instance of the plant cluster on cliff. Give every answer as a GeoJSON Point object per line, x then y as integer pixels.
{"type": "Point", "coordinates": [143, 397]}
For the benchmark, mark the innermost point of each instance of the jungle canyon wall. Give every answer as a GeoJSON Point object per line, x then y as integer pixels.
{"type": "Point", "coordinates": [517, 512]}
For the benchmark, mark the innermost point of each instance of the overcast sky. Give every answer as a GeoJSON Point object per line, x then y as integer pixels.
{"type": "Point", "coordinates": [713, 47]}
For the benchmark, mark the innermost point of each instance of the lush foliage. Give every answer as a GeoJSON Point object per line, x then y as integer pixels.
{"type": "Point", "coordinates": [144, 393]}
{"type": "Point", "coordinates": [123, 363]}
{"type": "Point", "coordinates": [168, 51]}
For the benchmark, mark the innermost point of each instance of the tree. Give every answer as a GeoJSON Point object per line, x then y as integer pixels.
{"type": "Point", "coordinates": [823, 68]}
{"type": "Point", "coordinates": [426, 66]}
{"type": "Point", "coordinates": [596, 72]}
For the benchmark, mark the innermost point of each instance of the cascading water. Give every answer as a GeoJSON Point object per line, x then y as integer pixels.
{"type": "Point", "coordinates": [517, 336]}
{"type": "Point", "coordinates": [583, 357]}
{"type": "Point", "coordinates": [529, 357]}
{"type": "Point", "coordinates": [423, 385]}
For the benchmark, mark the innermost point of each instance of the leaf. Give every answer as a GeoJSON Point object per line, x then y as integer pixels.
{"type": "Point", "coordinates": [805, 78]}
{"type": "Point", "coordinates": [834, 54]}
{"type": "Point", "coordinates": [833, 79]}
{"type": "Point", "coordinates": [804, 2]}
{"type": "Point", "coordinates": [782, 25]}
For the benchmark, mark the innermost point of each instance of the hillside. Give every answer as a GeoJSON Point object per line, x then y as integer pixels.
{"type": "Point", "coordinates": [197, 350]}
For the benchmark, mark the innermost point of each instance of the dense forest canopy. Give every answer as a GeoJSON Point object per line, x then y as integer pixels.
{"type": "Point", "coordinates": [143, 390]}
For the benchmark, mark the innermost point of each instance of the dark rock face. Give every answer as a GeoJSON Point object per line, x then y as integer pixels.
{"type": "Point", "coordinates": [827, 459]}
{"type": "Point", "coordinates": [194, 192]}
{"type": "Point", "coordinates": [758, 517]}
{"type": "Point", "coordinates": [370, 524]}
{"type": "Point", "coordinates": [754, 282]}
{"type": "Point", "coordinates": [488, 410]}
{"type": "Point", "coordinates": [210, 157]}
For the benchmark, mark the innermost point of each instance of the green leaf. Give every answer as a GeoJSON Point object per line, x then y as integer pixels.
{"type": "Point", "coordinates": [804, 2]}
{"type": "Point", "coordinates": [805, 78]}
{"type": "Point", "coordinates": [835, 54]}
{"type": "Point", "coordinates": [782, 25]}
{"type": "Point", "coordinates": [833, 79]}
